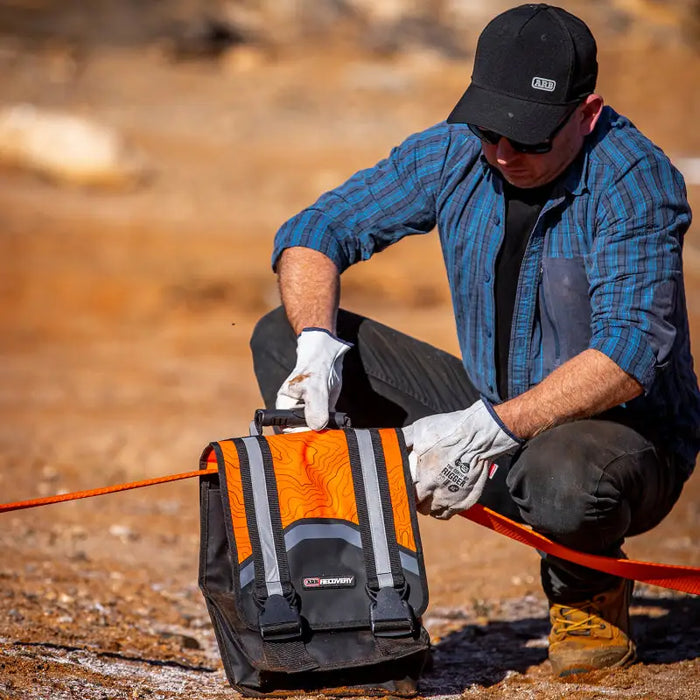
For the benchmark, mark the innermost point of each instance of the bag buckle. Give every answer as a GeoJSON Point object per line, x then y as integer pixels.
{"type": "Point", "coordinates": [279, 620]}
{"type": "Point", "coordinates": [390, 615]}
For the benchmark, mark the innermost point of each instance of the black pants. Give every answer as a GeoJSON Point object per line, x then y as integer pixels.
{"type": "Point", "coordinates": [586, 484]}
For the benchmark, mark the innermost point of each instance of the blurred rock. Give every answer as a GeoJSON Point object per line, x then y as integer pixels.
{"type": "Point", "coordinates": [10, 51]}
{"type": "Point", "coordinates": [49, 473]}
{"type": "Point", "coordinates": [63, 62]}
{"type": "Point", "coordinates": [202, 38]}
{"type": "Point", "coordinates": [68, 149]}
{"type": "Point", "coordinates": [386, 12]}
{"type": "Point", "coordinates": [242, 59]}
{"type": "Point", "coordinates": [189, 642]}
{"type": "Point", "coordinates": [287, 21]}
{"type": "Point", "coordinates": [375, 76]}
{"type": "Point", "coordinates": [124, 533]}
{"type": "Point", "coordinates": [401, 26]}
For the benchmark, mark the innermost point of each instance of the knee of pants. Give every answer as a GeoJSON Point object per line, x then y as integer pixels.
{"type": "Point", "coordinates": [570, 494]}
{"type": "Point", "coordinates": [273, 345]}
{"type": "Point", "coordinates": [272, 334]}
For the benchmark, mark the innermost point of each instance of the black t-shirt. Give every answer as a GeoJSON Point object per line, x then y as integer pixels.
{"type": "Point", "coordinates": [523, 206]}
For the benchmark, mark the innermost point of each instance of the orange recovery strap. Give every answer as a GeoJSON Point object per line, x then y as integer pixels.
{"type": "Point", "coordinates": [77, 495]}
{"type": "Point", "coordinates": [679, 578]}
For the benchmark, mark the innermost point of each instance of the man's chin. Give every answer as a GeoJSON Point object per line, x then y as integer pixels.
{"type": "Point", "coordinates": [522, 179]}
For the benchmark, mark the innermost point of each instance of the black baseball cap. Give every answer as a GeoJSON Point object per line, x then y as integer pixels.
{"type": "Point", "coordinates": [532, 64]}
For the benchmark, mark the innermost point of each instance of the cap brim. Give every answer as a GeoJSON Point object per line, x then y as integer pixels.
{"type": "Point", "coordinates": [520, 120]}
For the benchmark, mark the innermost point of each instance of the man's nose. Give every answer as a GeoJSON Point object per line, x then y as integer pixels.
{"type": "Point", "coordinates": [504, 151]}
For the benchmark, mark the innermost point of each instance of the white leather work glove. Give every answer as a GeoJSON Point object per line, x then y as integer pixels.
{"type": "Point", "coordinates": [316, 379]}
{"type": "Point", "coordinates": [452, 454]}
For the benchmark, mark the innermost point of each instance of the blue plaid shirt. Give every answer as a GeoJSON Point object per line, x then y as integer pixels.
{"type": "Point", "coordinates": [602, 268]}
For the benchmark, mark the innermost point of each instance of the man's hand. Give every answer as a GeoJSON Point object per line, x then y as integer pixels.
{"type": "Point", "coordinates": [452, 454]}
{"type": "Point", "coordinates": [316, 378]}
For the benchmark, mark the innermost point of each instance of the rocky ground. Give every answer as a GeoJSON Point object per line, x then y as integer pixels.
{"type": "Point", "coordinates": [124, 319]}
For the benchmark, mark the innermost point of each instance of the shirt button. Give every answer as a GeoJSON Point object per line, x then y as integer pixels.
{"type": "Point", "coordinates": [488, 334]}
{"type": "Point", "coordinates": [487, 277]}
{"type": "Point", "coordinates": [496, 220]}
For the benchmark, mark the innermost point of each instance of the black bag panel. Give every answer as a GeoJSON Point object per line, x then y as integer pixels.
{"type": "Point", "coordinates": [222, 572]}
{"type": "Point", "coordinates": [358, 683]}
{"type": "Point", "coordinates": [215, 570]}
{"type": "Point", "coordinates": [346, 658]}
{"type": "Point", "coordinates": [371, 681]}
{"type": "Point", "coordinates": [355, 674]}
{"type": "Point", "coordinates": [342, 649]}
{"type": "Point", "coordinates": [332, 649]}
{"type": "Point", "coordinates": [331, 604]}
{"type": "Point", "coordinates": [248, 608]}
{"type": "Point", "coordinates": [415, 581]}
{"type": "Point", "coordinates": [334, 601]}
{"type": "Point", "coordinates": [238, 666]}
{"type": "Point", "coordinates": [330, 579]}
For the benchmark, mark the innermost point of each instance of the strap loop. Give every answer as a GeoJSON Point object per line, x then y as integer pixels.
{"type": "Point", "coordinates": [279, 620]}
{"type": "Point", "coordinates": [390, 615]}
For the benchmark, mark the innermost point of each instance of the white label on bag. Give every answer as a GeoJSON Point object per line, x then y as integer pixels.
{"type": "Point", "coordinates": [328, 582]}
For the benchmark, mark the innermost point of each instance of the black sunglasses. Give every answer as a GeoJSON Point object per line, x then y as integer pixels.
{"type": "Point", "coordinates": [493, 137]}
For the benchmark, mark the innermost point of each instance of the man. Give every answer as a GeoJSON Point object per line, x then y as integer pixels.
{"type": "Point", "coordinates": [561, 227]}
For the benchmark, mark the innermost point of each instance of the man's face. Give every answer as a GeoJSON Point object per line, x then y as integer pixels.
{"type": "Point", "coordinates": [527, 170]}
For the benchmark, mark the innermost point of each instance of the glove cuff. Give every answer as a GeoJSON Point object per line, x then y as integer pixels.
{"type": "Point", "coordinates": [312, 329]}
{"type": "Point", "coordinates": [499, 422]}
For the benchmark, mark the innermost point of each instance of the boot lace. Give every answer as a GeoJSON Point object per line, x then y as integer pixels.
{"type": "Point", "coordinates": [579, 621]}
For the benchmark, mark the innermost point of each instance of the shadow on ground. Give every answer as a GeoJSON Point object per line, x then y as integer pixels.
{"type": "Point", "coordinates": [669, 631]}
{"type": "Point", "coordinates": [666, 630]}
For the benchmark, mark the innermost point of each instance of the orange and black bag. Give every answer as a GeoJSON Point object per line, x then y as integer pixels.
{"type": "Point", "coordinates": [311, 563]}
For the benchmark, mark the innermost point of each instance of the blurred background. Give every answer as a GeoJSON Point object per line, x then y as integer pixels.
{"type": "Point", "coordinates": [149, 150]}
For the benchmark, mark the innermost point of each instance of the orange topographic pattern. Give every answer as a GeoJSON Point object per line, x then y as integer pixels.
{"type": "Point", "coordinates": [397, 489]}
{"type": "Point", "coordinates": [235, 499]}
{"type": "Point", "coordinates": [314, 479]}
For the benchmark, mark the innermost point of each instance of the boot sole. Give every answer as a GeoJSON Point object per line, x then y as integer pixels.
{"type": "Point", "coordinates": [627, 660]}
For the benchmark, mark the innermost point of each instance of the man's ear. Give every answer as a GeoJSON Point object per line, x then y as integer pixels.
{"type": "Point", "coordinates": [592, 108]}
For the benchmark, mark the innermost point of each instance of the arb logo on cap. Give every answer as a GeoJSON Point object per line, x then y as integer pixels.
{"type": "Point", "coordinates": [544, 84]}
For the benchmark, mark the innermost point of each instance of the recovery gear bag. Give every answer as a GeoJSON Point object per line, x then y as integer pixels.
{"type": "Point", "coordinates": [311, 564]}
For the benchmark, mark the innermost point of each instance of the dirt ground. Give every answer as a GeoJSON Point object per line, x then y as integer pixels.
{"type": "Point", "coordinates": [124, 323]}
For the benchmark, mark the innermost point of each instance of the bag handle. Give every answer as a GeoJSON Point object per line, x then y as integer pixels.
{"type": "Point", "coordinates": [291, 418]}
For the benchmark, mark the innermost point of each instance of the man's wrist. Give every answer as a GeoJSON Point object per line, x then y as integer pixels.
{"type": "Point", "coordinates": [496, 413]}
{"type": "Point", "coordinates": [521, 419]}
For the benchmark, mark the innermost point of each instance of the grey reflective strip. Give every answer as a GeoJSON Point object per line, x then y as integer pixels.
{"type": "Point", "coordinates": [409, 562]}
{"type": "Point", "coordinates": [247, 574]}
{"type": "Point", "coordinates": [336, 531]}
{"type": "Point", "coordinates": [323, 531]}
{"type": "Point", "coordinates": [261, 505]}
{"type": "Point", "coordinates": [382, 562]}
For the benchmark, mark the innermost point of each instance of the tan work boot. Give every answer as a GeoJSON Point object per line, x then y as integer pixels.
{"type": "Point", "coordinates": [593, 634]}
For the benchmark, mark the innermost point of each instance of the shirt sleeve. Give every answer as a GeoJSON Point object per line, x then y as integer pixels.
{"type": "Point", "coordinates": [375, 207]}
{"type": "Point", "coordinates": [635, 267]}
